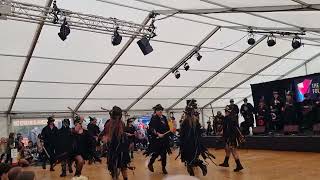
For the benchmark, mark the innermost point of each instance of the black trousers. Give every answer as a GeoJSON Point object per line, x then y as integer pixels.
{"type": "Point", "coordinates": [50, 150]}
{"type": "Point", "coordinates": [163, 156]}
{"type": "Point", "coordinates": [64, 164]}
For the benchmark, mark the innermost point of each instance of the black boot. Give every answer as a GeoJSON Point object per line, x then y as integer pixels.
{"type": "Point", "coordinates": [190, 170]}
{"type": "Point", "coordinates": [77, 174]}
{"type": "Point", "coordinates": [164, 171]}
{"type": "Point", "coordinates": [150, 167]}
{"type": "Point", "coordinates": [239, 166]}
{"type": "Point", "coordinates": [225, 163]}
{"type": "Point", "coordinates": [43, 166]}
{"type": "Point", "coordinates": [203, 168]}
{"type": "Point", "coordinates": [125, 178]}
{"type": "Point", "coordinates": [63, 174]}
{"type": "Point", "coordinates": [51, 168]}
{"type": "Point", "coordinates": [70, 170]}
{"type": "Point", "coordinates": [131, 154]}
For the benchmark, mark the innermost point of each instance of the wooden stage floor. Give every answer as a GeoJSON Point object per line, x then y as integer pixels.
{"type": "Point", "coordinates": [258, 164]}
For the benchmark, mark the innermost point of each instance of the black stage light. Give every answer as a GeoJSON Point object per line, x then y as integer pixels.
{"type": "Point", "coordinates": [186, 66]}
{"type": "Point", "coordinates": [199, 57]}
{"type": "Point", "coordinates": [296, 42]}
{"type": "Point", "coordinates": [116, 38]}
{"type": "Point", "coordinates": [271, 40]}
{"type": "Point", "coordinates": [177, 74]}
{"type": "Point", "coordinates": [251, 40]}
{"type": "Point", "coordinates": [64, 30]}
{"type": "Point", "coordinates": [145, 46]}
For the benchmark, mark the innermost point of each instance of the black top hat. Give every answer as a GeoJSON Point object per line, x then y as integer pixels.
{"type": "Point", "coordinates": [115, 111]}
{"type": "Point", "coordinates": [130, 120]}
{"type": "Point", "coordinates": [245, 100]}
{"type": "Point", "coordinates": [76, 120]}
{"type": "Point", "coordinates": [232, 100]}
{"type": "Point", "coordinates": [92, 118]}
{"type": "Point", "coordinates": [158, 107]}
{"type": "Point", "coordinates": [50, 119]}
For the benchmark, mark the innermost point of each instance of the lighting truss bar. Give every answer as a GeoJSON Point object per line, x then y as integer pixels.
{"type": "Point", "coordinates": [257, 9]}
{"type": "Point", "coordinates": [282, 33]}
{"type": "Point", "coordinates": [250, 77]}
{"type": "Point", "coordinates": [35, 14]}
{"type": "Point", "coordinates": [218, 72]}
{"type": "Point", "coordinates": [176, 66]}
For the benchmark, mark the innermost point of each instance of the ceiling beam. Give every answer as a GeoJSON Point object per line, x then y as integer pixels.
{"type": "Point", "coordinates": [176, 66]}
{"type": "Point", "coordinates": [29, 55]}
{"type": "Point", "coordinates": [250, 77]}
{"type": "Point", "coordinates": [218, 72]}
{"type": "Point", "coordinates": [257, 9]}
{"type": "Point", "coordinates": [112, 63]}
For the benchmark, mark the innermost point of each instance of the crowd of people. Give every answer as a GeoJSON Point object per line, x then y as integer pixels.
{"type": "Point", "coordinates": [273, 115]}
{"type": "Point", "coordinates": [72, 146]}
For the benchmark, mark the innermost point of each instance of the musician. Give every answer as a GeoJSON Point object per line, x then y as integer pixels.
{"type": "Point", "coordinates": [232, 137]}
{"type": "Point", "coordinates": [209, 128]}
{"type": "Point", "coordinates": [234, 110]}
{"type": "Point", "coordinates": [49, 135]}
{"type": "Point", "coordinates": [276, 107]}
{"type": "Point", "coordinates": [247, 112]}
{"type": "Point", "coordinates": [308, 111]}
{"type": "Point", "coordinates": [94, 132]}
{"type": "Point", "coordinates": [118, 144]}
{"type": "Point", "coordinates": [191, 146]}
{"type": "Point", "coordinates": [317, 109]}
{"type": "Point", "coordinates": [82, 146]}
{"type": "Point", "coordinates": [130, 130]}
{"type": "Point", "coordinates": [262, 116]}
{"type": "Point", "coordinates": [218, 123]}
{"type": "Point", "coordinates": [159, 133]}
{"type": "Point", "coordinates": [64, 147]}
{"type": "Point", "coordinates": [290, 110]}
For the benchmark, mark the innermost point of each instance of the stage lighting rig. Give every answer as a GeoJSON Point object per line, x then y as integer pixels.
{"type": "Point", "coordinates": [177, 74]}
{"type": "Point", "coordinates": [186, 66]}
{"type": "Point", "coordinates": [296, 42]}
{"type": "Point", "coordinates": [271, 40]}
{"type": "Point", "coordinates": [116, 38]}
{"type": "Point", "coordinates": [251, 40]}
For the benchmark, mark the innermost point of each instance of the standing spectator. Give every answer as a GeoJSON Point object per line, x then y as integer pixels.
{"type": "Point", "coordinates": [247, 112]}
{"type": "Point", "coordinates": [234, 110]}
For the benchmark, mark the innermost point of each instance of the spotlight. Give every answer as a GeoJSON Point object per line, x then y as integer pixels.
{"type": "Point", "coordinates": [116, 38]}
{"type": "Point", "coordinates": [251, 40]}
{"type": "Point", "coordinates": [64, 30]}
{"type": "Point", "coordinates": [145, 46]}
{"type": "Point", "coordinates": [271, 40]}
{"type": "Point", "coordinates": [177, 74]}
{"type": "Point", "coordinates": [186, 66]}
{"type": "Point", "coordinates": [199, 57]}
{"type": "Point", "coordinates": [296, 42]}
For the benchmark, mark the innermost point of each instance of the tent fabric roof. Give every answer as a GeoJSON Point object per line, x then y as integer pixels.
{"type": "Point", "coordinates": [60, 73]}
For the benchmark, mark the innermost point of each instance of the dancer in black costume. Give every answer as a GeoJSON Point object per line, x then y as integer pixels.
{"type": "Point", "coordinates": [49, 134]}
{"type": "Point", "coordinates": [158, 133]}
{"type": "Point", "coordinates": [64, 147]}
{"type": "Point", "coordinates": [118, 145]}
{"type": "Point", "coordinates": [247, 111]}
{"type": "Point", "coordinates": [131, 133]}
{"type": "Point", "coordinates": [190, 140]}
{"type": "Point", "coordinates": [94, 132]}
{"type": "Point", "coordinates": [83, 146]}
{"type": "Point", "coordinates": [232, 137]}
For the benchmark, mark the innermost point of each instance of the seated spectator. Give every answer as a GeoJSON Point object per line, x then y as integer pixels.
{"type": "Point", "coordinates": [3, 149]}
{"type": "Point", "coordinates": [4, 169]}
{"type": "Point", "coordinates": [14, 172]}
{"type": "Point", "coordinates": [26, 175]}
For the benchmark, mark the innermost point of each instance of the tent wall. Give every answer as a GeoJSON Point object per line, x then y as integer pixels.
{"type": "Point", "coordinates": [4, 130]}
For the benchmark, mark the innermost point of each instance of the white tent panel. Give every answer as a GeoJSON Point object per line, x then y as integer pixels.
{"type": "Point", "coordinates": [188, 78]}
{"type": "Point", "coordinates": [207, 93]}
{"type": "Point", "coordinates": [311, 1]}
{"type": "Point", "coordinates": [109, 91]}
{"type": "Point", "coordinates": [37, 2]}
{"type": "Point", "coordinates": [150, 103]}
{"type": "Point", "coordinates": [7, 88]}
{"type": "Point", "coordinates": [132, 75]}
{"type": "Point", "coordinates": [10, 67]}
{"type": "Point", "coordinates": [88, 46]}
{"type": "Point", "coordinates": [205, 19]}
{"type": "Point", "coordinates": [249, 64]}
{"type": "Point", "coordinates": [301, 19]}
{"type": "Point", "coordinates": [238, 93]}
{"type": "Point", "coordinates": [48, 70]}
{"type": "Point", "coordinates": [299, 72]}
{"type": "Point", "coordinates": [249, 3]}
{"type": "Point", "coordinates": [103, 9]}
{"type": "Point", "coordinates": [163, 55]}
{"type": "Point", "coordinates": [16, 37]}
{"type": "Point", "coordinates": [225, 80]}
{"type": "Point", "coordinates": [224, 102]}
{"type": "Point", "coordinates": [4, 104]}
{"type": "Point", "coordinates": [305, 52]}
{"type": "Point", "coordinates": [227, 38]}
{"type": "Point", "coordinates": [182, 4]}
{"type": "Point", "coordinates": [46, 90]}
{"type": "Point", "coordinates": [258, 79]}
{"type": "Point", "coordinates": [281, 67]}
{"type": "Point", "coordinates": [212, 61]}
{"type": "Point", "coordinates": [200, 102]}
{"type": "Point", "coordinates": [38, 105]}
{"type": "Point", "coordinates": [131, 3]}
{"type": "Point", "coordinates": [313, 66]}
{"type": "Point", "coordinates": [179, 30]}
{"type": "Point", "coordinates": [248, 20]}
{"type": "Point", "coordinates": [278, 50]}
{"type": "Point", "coordinates": [95, 105]}
{"type": "Point", "coordinates": [168, 92]}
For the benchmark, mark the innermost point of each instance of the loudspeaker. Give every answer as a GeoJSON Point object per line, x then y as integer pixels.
{"type": "Point", "coordinates": [145, 46]}
{"type": "Point", "coordinates": [259, 130]}
{"type": "Point", "coordinates": [316, 128]}
{"type": "Point", "coordinates": [291, 129]}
